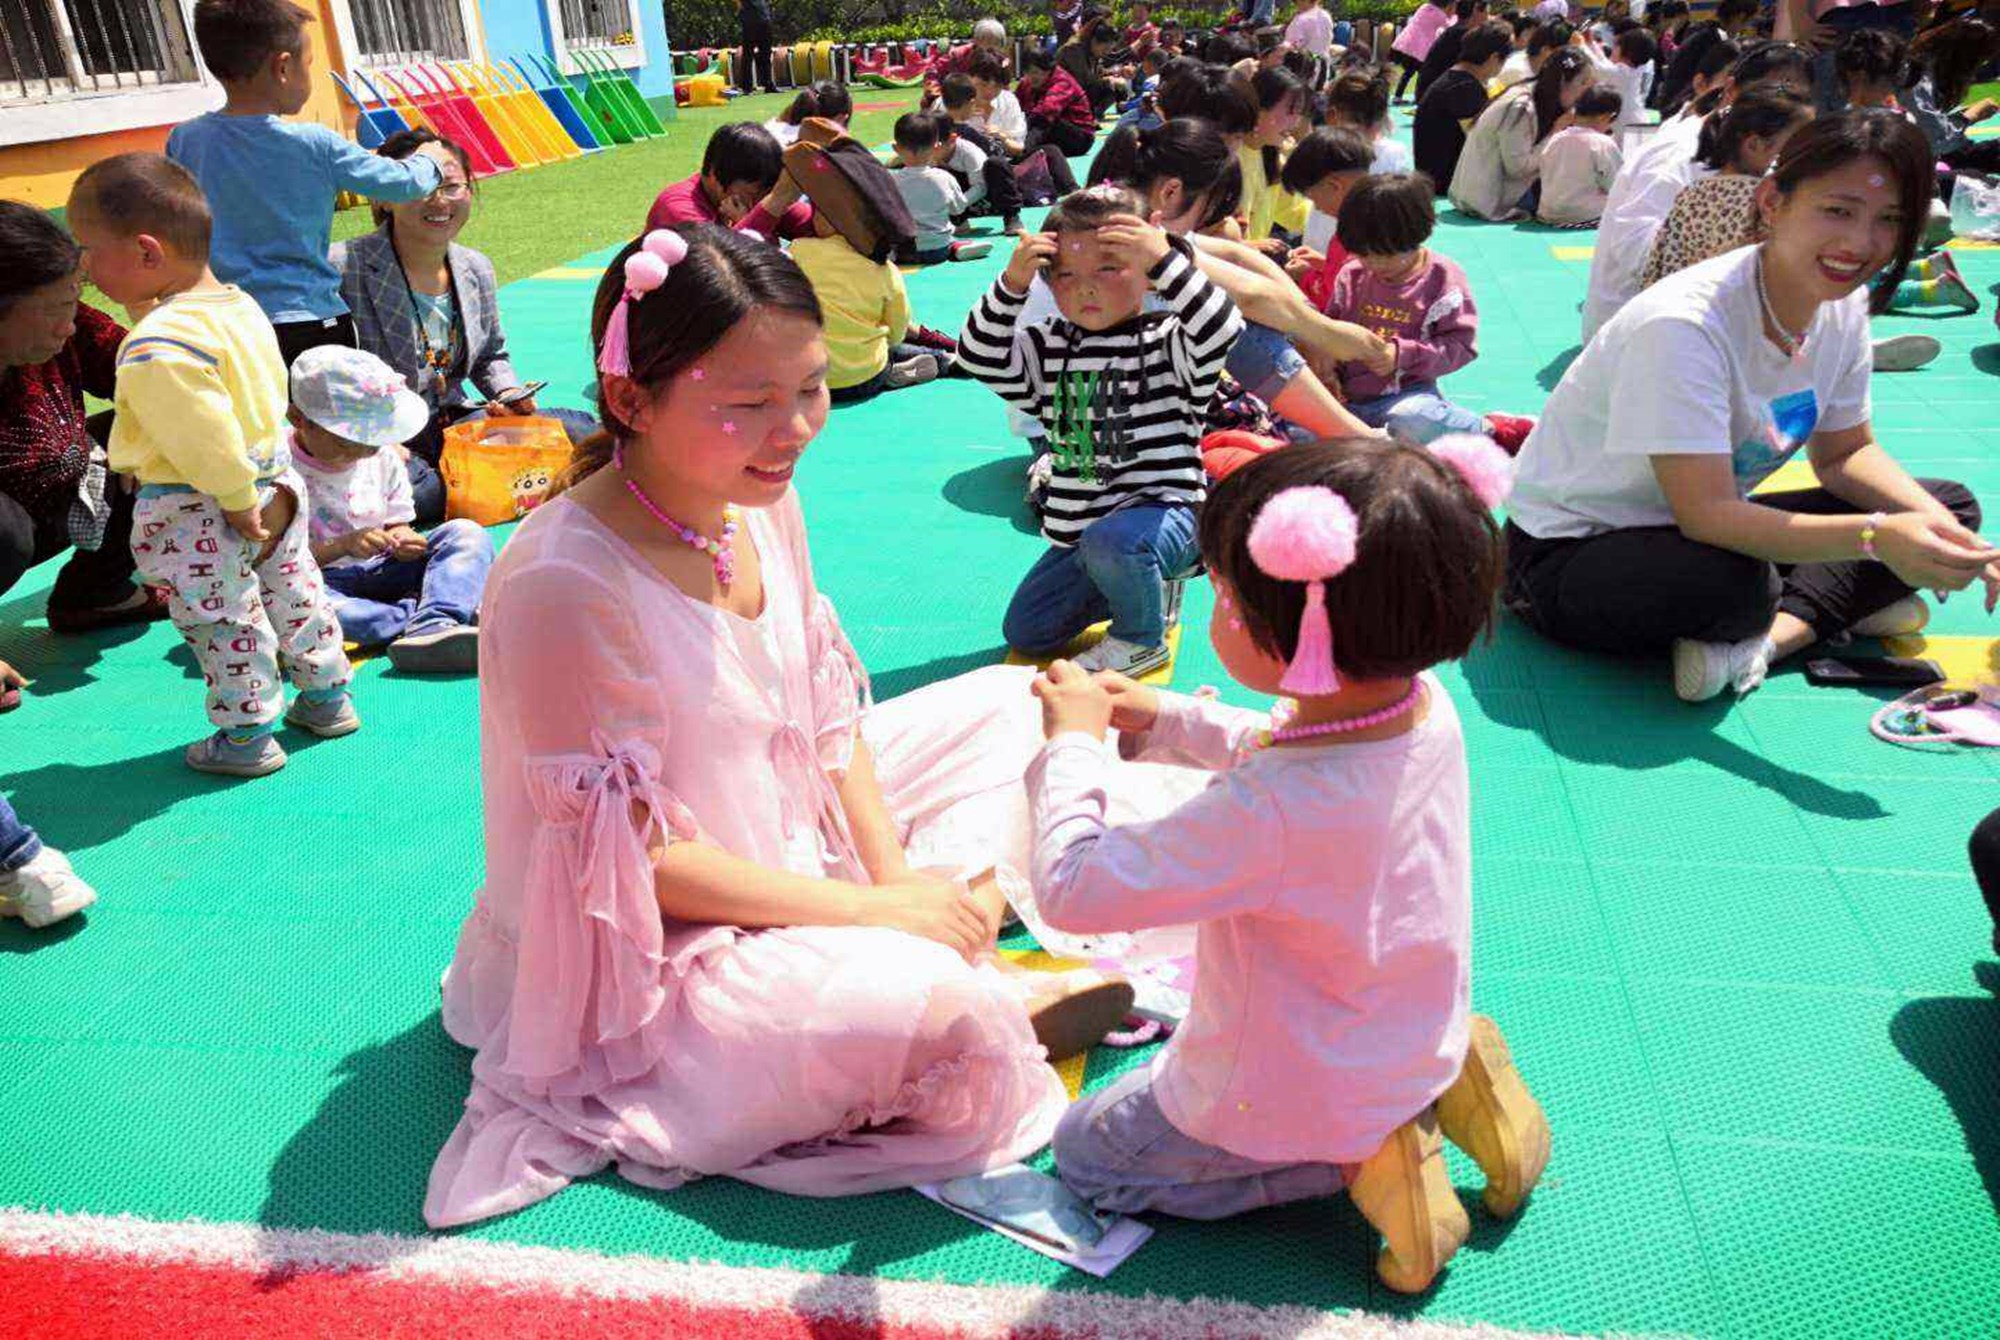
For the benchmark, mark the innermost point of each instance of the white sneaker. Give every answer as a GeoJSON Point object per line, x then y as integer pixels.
{"type": "Point", "coordinates": [44, 891]}
{"type": "Point", "coordinates": [1704, 669]}
{"type": "Point", "coordinates": [1125, 658]}
{"type": "Point", "coordinates": [911, 372]}
{"type": "Point", "coordinates": [1170, 605]}
{"type": "Point", "coordinates": [1905, 353]}
{"type": "Point", "coordinates": [1906, 616]}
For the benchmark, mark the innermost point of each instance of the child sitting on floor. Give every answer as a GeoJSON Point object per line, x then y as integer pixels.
{"type": "Point", "coordinates": [1327, 868]}
{"type": "Point", "coordinates": [1580, 161]}
{"type": "Point", "coordinates": [1120, 393]}
{"type": "Point", "coordinates": [390, 585]}
{"type": "Point", "coordinates": [924, 143]}
{"type": "Point", "coordinates": [1418, 301]}
{"type": "Point", "coordinates": [201, 426]}
{"type": "Point", "coordinates": [860, 221]}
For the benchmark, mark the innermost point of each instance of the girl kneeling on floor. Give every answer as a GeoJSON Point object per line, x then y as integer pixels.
{"type": "Point", "coordinates": [1327, 865]}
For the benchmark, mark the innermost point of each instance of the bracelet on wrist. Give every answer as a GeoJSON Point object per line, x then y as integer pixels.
{"type": "Point", "coordinates": [1870, 528]}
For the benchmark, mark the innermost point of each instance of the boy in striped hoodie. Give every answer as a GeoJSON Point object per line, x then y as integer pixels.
{"type": "Point", "coordinates": [1120, 391]}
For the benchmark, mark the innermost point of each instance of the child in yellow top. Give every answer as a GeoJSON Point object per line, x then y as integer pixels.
{"type": "Point", "coordinates": [201, 398]}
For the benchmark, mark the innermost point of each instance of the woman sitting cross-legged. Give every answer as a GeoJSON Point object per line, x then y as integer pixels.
{"type": "Point", "coordinates": [429, 308]}
{"type": "Point", "coordinates": [1633, 526]}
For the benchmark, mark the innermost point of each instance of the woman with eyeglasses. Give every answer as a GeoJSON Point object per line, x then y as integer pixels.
{"type": "Point", "coordinates": [428, 307]}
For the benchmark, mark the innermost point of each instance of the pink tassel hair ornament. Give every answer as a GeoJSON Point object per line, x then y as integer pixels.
{"type": "Point", "coordinates": [1487, 469]}
{"type": "Point", "coordinates": [645, 270]}
{"type": "Point", "coordinates": [1307, 534]}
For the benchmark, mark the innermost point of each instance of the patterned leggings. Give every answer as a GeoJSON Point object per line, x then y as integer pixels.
{"type": "Point", "coordinates": [242, 619]}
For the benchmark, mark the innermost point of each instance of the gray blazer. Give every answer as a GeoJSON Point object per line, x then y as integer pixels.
{"type": "Point", "coordinates": [371, 279]}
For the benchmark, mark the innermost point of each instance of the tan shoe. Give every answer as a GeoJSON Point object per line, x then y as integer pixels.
{"type": "Point", "coordinates": [1403, 1190]}
{"type": "Point", "coordinates": [1074, 1010]}
{"type": "Point", "coordinates": [1489, 1113]}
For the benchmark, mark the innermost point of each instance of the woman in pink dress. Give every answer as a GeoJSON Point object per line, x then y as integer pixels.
{"type": "Point", "coordinates": [713, 937]}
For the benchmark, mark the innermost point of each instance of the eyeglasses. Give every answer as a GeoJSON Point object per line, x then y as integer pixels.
{"type": "Point", "coordinates": [453, 190]}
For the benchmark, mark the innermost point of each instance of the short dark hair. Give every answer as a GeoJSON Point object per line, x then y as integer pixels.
{"type": "Point", "coordinates": [956, 90]}
{"type": "Point", "coordinates": [1554, 33]}
{"type": "Point", "coordinates": [402, 144]}
{"type": "Point", "coordinates": [1186, 149]}
{"type": "Point", "coordinates": [1737, 9]}
{"type": "Point", "coordinates": [826, 98]}
{"type": "Point", "coordinates": [1832, 142]}
{"type": "Point", "coordinates": [743, 151]}
{"type": "Point", "coordinates": [1427, 556]}
{"type": "Point", "coordinates": [1328, 150]}
{"type": "Point", "coordinates": [1637, 46]}
{"type": "Point", "coordinates": [1086, 210]}
{"type": "Point", "coordinates": [1206, 91]}
{"type": "Point", "coordinates": [1870, 56]}
{"type": "Point", "coordinates": [1388, 212]}
{"type": "Point", "coordinates": [985, 65]}
{"type": "Point", "coordinates": [916, 131]}
{"type": "Point", "coordinates": [1598, 100]}
{"type": "Point", "coordinates": [146, 193]}
{"type": "Point", "coordinates": [38, 251]}
{"type": "Point", "coordinates": [238, 37]}
{"type": "Point", "coordinates": [1227, 48]}
{"type": "Point", "coordinates": [1484, 43]}
{"type": "Point", "coordinates": [1465, 9]}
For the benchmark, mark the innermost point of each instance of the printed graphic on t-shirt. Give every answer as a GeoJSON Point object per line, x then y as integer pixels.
{"type": "Point", "coordinates": [1791, 421]}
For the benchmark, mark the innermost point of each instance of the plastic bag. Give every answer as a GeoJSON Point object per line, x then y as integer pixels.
{"type": "Point", "coordinates": [1975, 207]}
{"type": "Point", "coordinates": [499, 470]}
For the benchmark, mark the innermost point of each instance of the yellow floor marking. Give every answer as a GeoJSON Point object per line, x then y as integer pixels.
{"type": "Point", "coordinates": [1966, 661]}
{"type": "Point", "coordinates": [1071, 1071]}
{"type": "Point", "coordinates": [1572, 253]}
{"type": "Point", "coordinates": [571, 272]}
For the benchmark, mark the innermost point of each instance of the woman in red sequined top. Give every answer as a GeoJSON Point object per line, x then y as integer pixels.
{"type": "Point", "coordinates": [54, 492]}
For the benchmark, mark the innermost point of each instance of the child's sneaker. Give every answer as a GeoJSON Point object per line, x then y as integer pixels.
{"type": "Point", "coordinates": [1124, 658]}
{"type": "Point", "coordinates": [1906, 616]}
{"type": "Point", "coordinates": [1704, 669]}
{"type": "Point", "coordinates": [329, 719]}
{"type": "Point", "coordinates": [971, 250]}
{"type": "Point", "coordinates": [1011, 226]}
{"type": "Point", "coordinates": [258, 756]}
{"type": "Point", "coordinates": [1509, 431]}
{"type": "Point", "coordinates": [443, 649]}
{"type": "Point", "coordinates": [1173, 593]}
{"type": "Point", "coordinates": [925, 337]}
{"type": "Point", "coordinates": [1404, 1191]}
{"type": "Point", "coordinates": [1905, 353]}
{"type": "Point", "coordinates": [44, 891]}
{"type": "Point", "coordinates": [1489, 1113]}
{"type": "Point", "coordinates": [1952, 290]}
{"type": "Point", "coordinates": [911, 372]}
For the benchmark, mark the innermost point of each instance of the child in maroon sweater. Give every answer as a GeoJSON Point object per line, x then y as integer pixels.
{"type": "Point", "coordinates": [1419, 301]}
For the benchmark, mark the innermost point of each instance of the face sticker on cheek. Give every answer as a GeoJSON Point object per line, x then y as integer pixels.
{"type": "Point", "coordinates": [729, 427]}
{"type": "Point", "coordinates": [1876, 181]}
{"type": "Point", "coordinates": [699, 374]}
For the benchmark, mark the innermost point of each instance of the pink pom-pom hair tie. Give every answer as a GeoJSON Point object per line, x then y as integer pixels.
{"type": "Point", "coordinates": [1486, 469]}
{"type": "Point", "coordinates": [645, 270]}
{"type": "Point", "coordinates": [1307, 534]}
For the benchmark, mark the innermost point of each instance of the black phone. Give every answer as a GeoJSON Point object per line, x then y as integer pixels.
{"type": "Point", "coordinates": [1906, 672]}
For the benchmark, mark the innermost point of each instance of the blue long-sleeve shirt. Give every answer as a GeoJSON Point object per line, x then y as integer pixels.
{"type": "Point", "coordinates": [271, 186]}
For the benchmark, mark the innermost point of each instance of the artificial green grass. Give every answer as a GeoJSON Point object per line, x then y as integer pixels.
{"type": "Point", "coordinates": [527, 221]}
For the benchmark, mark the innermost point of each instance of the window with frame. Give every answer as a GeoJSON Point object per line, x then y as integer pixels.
{"type": "Point", "coordinates": [397, 32]}
{"type": "Point", "coordinates": [597, 23]}
{"type": "Point", "coordinates": [52, 49]}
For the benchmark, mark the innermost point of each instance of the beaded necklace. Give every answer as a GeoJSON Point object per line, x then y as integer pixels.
{"type": "Point", "coordinates": [1793, 345]}
{"type": "Point", "coordinates": [722, 550]}
{"type": "Point", "coordinates": [1346, 725]}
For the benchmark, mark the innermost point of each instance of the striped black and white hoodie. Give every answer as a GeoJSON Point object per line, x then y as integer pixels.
{"type": "Point", "coordinates": [1122, 407]}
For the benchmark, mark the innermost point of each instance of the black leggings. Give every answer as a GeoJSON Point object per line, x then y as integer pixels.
{"type": "Point", "coordinates": [1410, 66]}
{"type": "Point", "coordinates": [92, 579]}
{"type": "Point", "coordinates": [1072, 140]}
{"type": "Point", "coordinates": [1633, 592]}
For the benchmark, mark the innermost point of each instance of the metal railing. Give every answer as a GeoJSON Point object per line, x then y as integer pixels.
{"type": "Point", "coordinates": [65, 48]}
{"type": "Point", "coordinates": [397, 32]}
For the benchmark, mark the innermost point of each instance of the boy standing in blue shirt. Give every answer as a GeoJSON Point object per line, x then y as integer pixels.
{"type": "Point", "coordinates": [271, 183]}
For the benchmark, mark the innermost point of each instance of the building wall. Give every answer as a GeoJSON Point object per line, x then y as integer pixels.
{"type": "Point", "coordinates": [42, 174]}
{"type": "Point", "coordinates": [517, 26]}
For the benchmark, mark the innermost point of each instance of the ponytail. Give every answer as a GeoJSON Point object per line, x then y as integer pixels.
{"type": "Point", "coordinates": [1761, 111]}
{"type": "Point", "coordinates": [1188, 150]}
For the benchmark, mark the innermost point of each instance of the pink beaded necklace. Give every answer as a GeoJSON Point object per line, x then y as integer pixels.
{"type": "Point", "coordinates": [1265, 739]}
{"type": "Point", "coordinates": [721, 550]}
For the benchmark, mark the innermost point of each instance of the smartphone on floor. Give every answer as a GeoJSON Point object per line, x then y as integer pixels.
{"type": "Point", "coordinates": [1031, 1203]}
{"type": "Point", "coordinates": [1903, 672]}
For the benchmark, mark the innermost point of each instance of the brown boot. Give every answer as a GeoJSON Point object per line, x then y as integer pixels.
{"type": "Point", "coordinates": [1403, 1190]}
{"type": "Point", "coordinates": [1074, 1010]}
{"type": "Point", "coordinates": [1489, 1113]}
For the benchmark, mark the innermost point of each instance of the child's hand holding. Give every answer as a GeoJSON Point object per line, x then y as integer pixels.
{"type": "Point", "coordinates": [406, 544]}
{"type": "Point", "coordinates": [366, 543]}
{"type": "Point", "coordinates": [249, 523]}
{"type": "Point", "coordinates": [1134, 707]}
{"type": "Point", "coordinates": [1139, 244]}
{"type": "Point", "coordinates": [1031, 253]}
{"type": "Point", "coordinates": [1072, 701]}
{"type": "Point", "coordinates": [1383, 361]}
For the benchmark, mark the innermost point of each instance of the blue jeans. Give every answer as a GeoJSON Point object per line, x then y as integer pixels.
{"type": "Point", "coordinates": [1117, 1150]}
{"type": "Point", "coordinates": [380, 599]}
{"type": "Point", "coordinates": [18, 843]}
{"type": "Point", "coordinates": [1417, 414]}
{"type": "Point", "coordinates": [1263, 361]}
{"type": "Point", "coordinates": [1115, 571]}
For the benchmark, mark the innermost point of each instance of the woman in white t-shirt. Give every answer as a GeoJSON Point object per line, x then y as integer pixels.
{"type": "Point", "coordinates": [1632, 527]}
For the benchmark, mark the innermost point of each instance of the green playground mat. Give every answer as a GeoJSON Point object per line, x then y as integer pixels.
{"type": "Point", "coordinates": [1736, 947]}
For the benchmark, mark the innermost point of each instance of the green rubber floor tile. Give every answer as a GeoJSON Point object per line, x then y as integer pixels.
{"type": "Point", "coordinates": [1792, 1065]}
{"type": "Point", "coordinates": [1649, 734]}
{"type": "Point", "coordinates": [1928, 930]}
{"type": "Point", "coordinates": [1720, 923]}
{"type": "Point", "coordinates": [1910, 826]}
{"type": "Point", "coordinates": [1826, 734]}
{"type": "Point", "coordinates": [1605, 1245]}
{"type": "Point", "coordinates": [1523, 812]}
{"type": "Point", "coordinates": [1574, 1042]}
{"type": "Point", "coordinates": [1807, 1245]}
{"type": "Point", "coordinates": [1503, 729]}
{"type": "Point", "coordinates": [58, 981]}
{"type": "Point", "coordinates": [1536, 916]}
{"type": "Point", "coordinates": [1745, 812]}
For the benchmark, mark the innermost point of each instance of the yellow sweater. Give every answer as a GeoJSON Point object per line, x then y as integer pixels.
{"type": "Point", "coordinates": [201, 398]}
{"type": "Point", "coordinates": [865, 306]}
{"type": "Point", "coordinates": [1266, 202]}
